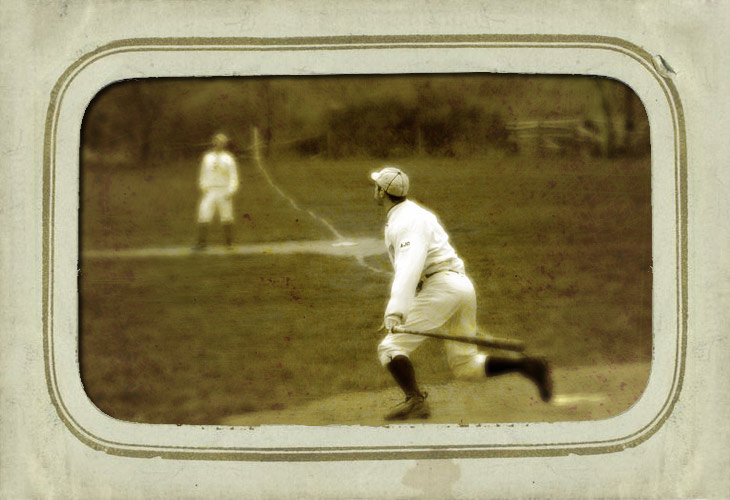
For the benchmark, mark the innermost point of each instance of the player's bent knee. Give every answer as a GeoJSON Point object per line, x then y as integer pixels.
{"type": "Point", "coordinates": [471, 369]}
{"type": "Point", "coordinates": [468, 374]}
{"type": "Point", "coordinates": [387, 351]}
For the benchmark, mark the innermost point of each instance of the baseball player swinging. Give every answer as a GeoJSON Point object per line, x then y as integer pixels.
{"type": "Point", "coordinates": [430, 292]}
{"type": "Point", "coordinates": [218, 182]}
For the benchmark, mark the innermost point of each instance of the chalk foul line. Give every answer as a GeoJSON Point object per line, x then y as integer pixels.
{"type": "Point", "coordinates": [260, 165]}
{"type": "Point", "coordinates": [359, 248]}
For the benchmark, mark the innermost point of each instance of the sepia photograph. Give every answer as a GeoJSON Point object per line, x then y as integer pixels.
{"type": "Point", "coordinates": [367, 250]}
{"type": "Point", "coordinates": [461, 248]}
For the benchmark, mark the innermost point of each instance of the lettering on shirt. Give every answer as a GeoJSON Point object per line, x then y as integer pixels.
{"type": "Point", "coordinates": [405, 244]}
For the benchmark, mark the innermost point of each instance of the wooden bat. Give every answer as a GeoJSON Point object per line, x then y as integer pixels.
{"type": "Point", "coordinates": [488, 341]}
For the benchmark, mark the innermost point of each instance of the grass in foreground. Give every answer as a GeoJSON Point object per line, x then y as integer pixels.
{"type": "Point", "coordinates": [189, 341]}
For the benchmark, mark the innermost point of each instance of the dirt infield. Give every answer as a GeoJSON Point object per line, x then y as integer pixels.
{"type": "Point", "coordinates": [582, 393]}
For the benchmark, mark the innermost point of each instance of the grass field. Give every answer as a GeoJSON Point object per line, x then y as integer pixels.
{"type": "Point", "coordinates": [559, 250]}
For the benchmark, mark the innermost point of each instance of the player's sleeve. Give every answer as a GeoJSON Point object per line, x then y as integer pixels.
{"type": "Point", "coordinates": [233, 177]}
{"type": "Point", "coordinates": [409, 258]}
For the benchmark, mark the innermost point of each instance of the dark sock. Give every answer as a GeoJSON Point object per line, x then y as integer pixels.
{"type": "Point", "coordinates": [228, 233]}
{"type": "Point", "coordinates": [403, 373]}
{"type": "Point", "coordinates": [498, 366]}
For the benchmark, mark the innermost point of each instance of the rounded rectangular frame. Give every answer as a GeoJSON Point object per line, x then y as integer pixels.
{"type": "Point", "coordinates": [142, 58]}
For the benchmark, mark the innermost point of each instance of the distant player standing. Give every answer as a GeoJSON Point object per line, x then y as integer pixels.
{"type": "Point", "coordinates": [430, 292]}
{"type": "Point", "coordinates": [218, 182]}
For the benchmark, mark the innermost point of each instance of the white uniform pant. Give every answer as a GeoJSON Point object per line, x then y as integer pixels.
{"type": "Point", "coordinates": [447, 304]}
{"type": "Point", "coordinates": [216, 199]}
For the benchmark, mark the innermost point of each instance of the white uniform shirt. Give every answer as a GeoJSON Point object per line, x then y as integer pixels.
{"type": "Point", "coordinates": [218, 170]}
{"type": "Point", "coordinates": [418, 246]}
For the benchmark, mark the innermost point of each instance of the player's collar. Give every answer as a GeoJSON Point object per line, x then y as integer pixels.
{"type": "Point", "coordinates": [395, 208]}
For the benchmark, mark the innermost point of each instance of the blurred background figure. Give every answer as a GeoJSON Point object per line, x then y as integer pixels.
{"type": "Point", "coordinates": [218, 182]}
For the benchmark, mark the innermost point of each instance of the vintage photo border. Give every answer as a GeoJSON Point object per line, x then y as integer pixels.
{"type": "Point", "coordinates": [93, 438]}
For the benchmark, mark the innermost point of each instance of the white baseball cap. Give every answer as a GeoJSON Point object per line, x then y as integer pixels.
{"type": "Point", "coordinates": [392, 180]}
{"type": "Point", "coordinates": [220, 138]}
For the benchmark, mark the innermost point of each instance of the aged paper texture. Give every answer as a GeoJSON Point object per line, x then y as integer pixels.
{"type": "Point", "coordinates": [120, 376]}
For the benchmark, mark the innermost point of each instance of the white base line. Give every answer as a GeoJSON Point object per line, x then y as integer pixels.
{"type": "Point", "coordinates": [357, 248]}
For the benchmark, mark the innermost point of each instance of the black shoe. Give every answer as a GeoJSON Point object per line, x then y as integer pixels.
{"type": "Point", "coordinates": [537, 370]}
{"type": "Point", "coordinates": [412, 407]}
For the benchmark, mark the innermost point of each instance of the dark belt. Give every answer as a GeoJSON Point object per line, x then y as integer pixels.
{"type": "Point", "coordinates": [441, 271]}
{"type": "Point", "coordinates": [426, 276]}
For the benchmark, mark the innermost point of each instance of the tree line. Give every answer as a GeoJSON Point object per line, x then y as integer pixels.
{"type": "Point", "coordinates": [148, 121]}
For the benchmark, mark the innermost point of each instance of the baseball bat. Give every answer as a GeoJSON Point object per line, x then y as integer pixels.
{"type": "Point", "coordinates": [489, 341]}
